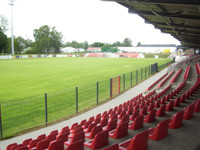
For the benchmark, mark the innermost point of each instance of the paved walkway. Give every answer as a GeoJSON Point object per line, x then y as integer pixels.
{"type": "Point", "coordinates": [111, 104]}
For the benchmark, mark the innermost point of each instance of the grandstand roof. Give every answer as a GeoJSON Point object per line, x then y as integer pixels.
{"type": "Point", "coordinates": [180, 18]}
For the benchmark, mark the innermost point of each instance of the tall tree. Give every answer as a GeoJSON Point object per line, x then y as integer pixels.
{"type": "Point", "coordinates": [47, 39]}
{"type": "Point", "coordinates": [3, 36]}
{"type": "Point", "coordinates": [3, 42]}
{"type": "Point", "coordinates": [127, 42]}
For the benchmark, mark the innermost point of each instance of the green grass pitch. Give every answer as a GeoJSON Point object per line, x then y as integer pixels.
{"type": "Point", "coordinates": [20, 79]}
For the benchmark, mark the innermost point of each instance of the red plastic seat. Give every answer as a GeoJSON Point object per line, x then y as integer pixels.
{"type": "Point", "coordinates": [120, 131]}
{"type": "Point", "coordinates": [177, 120]}
{"type": "Point", "coordinates": [56, 145]}
{"type": "Point", "coordinates": [134, 115]}
{"type": "Point", "coordinates": [130, 111]}
{"type": "Point", "coordinates": [183, 98]}
{"type": "Point", "coordinates": [33, 143]}
{"type": "Point", "coordinates": [189, 112]}
{"type": "Point", "coordinates": [63, 137]}
{"type": "Point", "coordinates": [150, 117]}
{"type": "Point", "coordinates": [143, 111]}
{"type": "Point", "coordinates": [22, 148]}
{"type": "Point", "coordinates": [111, 125]}
{"type": "Point", "coordinates": [27, 141]}
{"type": "Point", "coordinates": [87, 124]}
{"type": "Point", "coordinates": [163, 100]}
{"type": "Point", "coordinates": [137, 123]}
{"type": "Point", "coordinates": [177, 102]}
{"type": "Point", "coordinates": [122, 114]}
{"type": "Point", "coordinates": [97, 119]}
{"type": "Point", "coordinates": [42, 137]}
{"type": "Point", "coordinates": [197, 106]}
{"type": "Point", "coordinates": [76, 137]}
{"type": "Point", "coordinates": [125, 118]}
{"type": "Point", "coordinates": [78, 145]}
{"type": "Point", "coordinates": [157, 104]}
{"type": "Point", "coordinates": [10, 145]}
{"type": "Point", "coordinates": [112, 147]}
{"type": "Point", "coordinates": [104, 122]}
{"type": "Point", "coordinates": [91, 119]}
{"type": "Point", "coordinates": [65, 131]}
{"type": "Point", "coordinates": [73, 125]}
{"type": "Point", "coordinates": [160, 132]}
{"type": "Point", "coordinates": [161, 111]}
{"type": "Point", "coordinates": [41, 145]}
{"type": "Point", "coordinates": [99, 141]}
{"type": "Point", "coordinates": [138, 142]}
{"type": "Point", "coordinates": [170, 106]}
{"type": "Point", "coordinates": [14, 147]}
{"type": "Point", "coordinates": [94, 131]}
{"type": "Point", "coordinates": [51, 137]}
{"type": "Point", "coordinates": [82, 123]}
{"type": "Point", "coordinates": [54, 132]}
{"type": "Point", "coordinates": [89, 129]}
{"type": "Point", "coordinates": [75, 131]}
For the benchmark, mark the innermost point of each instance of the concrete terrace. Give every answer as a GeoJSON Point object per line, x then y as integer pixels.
{"type": "Point", "coordinates": [185, 138]}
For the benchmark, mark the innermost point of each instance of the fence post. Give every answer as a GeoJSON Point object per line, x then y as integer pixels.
{"type": "Point", "coordinates": [46, 111]}
{"type": "Point", "coordinates": [131, 79]}
{"type": "Point", "coordinates": [141, 74]}
{"type": "Point", "coordinates": [76, 99]}
{"type": "Point", "coordinates": [149, 70]}
{"type": "Point", "coordinates": [97, 93]}
{"type": "Point", "coordinates": [124, 82]}
{"type": "Point", "coordinates": [1, 123]}
{"type": "Point", "coordinates": [136, 76]}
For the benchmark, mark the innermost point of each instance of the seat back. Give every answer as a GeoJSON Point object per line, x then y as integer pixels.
{"type": "Point", "coordinates": [151, 106]}
{"type": "Point", "coordinates": [16, 146]}
{"type": "Point", "coordinates": [177, 102]}
{"type": "Point", "coordinates": [189, 112]}
{"type": "Point", "coordinates": [151, 116]}
{"type": "Point", "coordinates": [161, 111]}
{"type": "Point", "coordinates": [122, 114]}
{"type": "Point", "coordinates": [87, 124]}
{"type": "Point", "coordinates": [96, 130]}
{"type": "Point", "coordinates": [177, 120]}
{"type": "Point", "coordinates": [139, 141]}
{"type": "Point", "coordinates": [162, 129]}
{"type": "Point", "coordinates": [54, 132]}
{"type": "Point", "coordinates": [125, 118]}
{"type": "Point", "coordinates": [101, 139]}
{"type": "Point", "coordinates": [42, 137]}
{"type": "Point", "coordinates": [197, 106]}
{"type": "Point", "coordinates": [27, 141]}
{"type": "Point", "coordinates": [33, 143]}
{"type": "Point", "coordinates": [91, 119]}
{"type": "Point", "coordinates": [78, 136]}
{"type": "Point", "coordinates": [83, 122]}
{"type": "Point", "coordinates": [51, 137]}
{"type": "Point", "coordinates": [9, 146]}
{"type": "Point", "coordinates": [143, 111]}
{"type": "Point", "coordinates": [78, 130]}
{"type": "Point", "coordinates": [97, 120]}
{"type": "Point", "coordinates": [91, 126]}
{"type": "Point", "coordinates": [78, 145]}
{"type": "Point", "coordinates": [56, 145]}
{"type": "Point", "coordinates": [63, 131]}
{"type": "Point", "coordinates": [112, 125]}
{"type": "Point", "coordinates": [73, 125]}
{"type": "Point", "coordinates": [157, 104]}
{"type": "Point", "coordinates": [104, 122]}
{"type": "Point", "coordinates": [24, 147]}
{"type": "Point", "coordinates": [134, 115]}
{"type": "Point", "coordinates": [63, 137]}
{"type": "Point", "coordinates": [122, 130]}
{"type": "Point", "coordinates": [41, 145]}
{"type": "Point", "coordinates": [137, 123]}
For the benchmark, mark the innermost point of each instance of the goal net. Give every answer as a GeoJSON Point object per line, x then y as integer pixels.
{"type": "Point", "coordinates": [114, 86]}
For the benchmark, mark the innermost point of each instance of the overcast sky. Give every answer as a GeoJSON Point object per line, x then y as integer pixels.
{"type": "Point", "coordinates": [82, 20]}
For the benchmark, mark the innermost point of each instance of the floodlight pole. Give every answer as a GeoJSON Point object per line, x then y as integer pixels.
{"type": "Point", "coordinates": [12, 37]}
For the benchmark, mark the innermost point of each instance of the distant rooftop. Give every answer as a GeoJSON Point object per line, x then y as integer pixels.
{"type": "Point", "coordinates": [158, 45]}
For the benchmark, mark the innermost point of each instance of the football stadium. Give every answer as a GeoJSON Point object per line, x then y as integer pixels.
{"type": "Point", "coordinates": [108, 101]}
